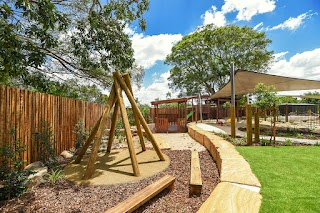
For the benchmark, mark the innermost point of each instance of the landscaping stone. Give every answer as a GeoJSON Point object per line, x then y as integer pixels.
{"type": "Point", "coordinates": [66, 154]}
{"type": "Point", "coordinates": [39, 172]}
{"type": "Point", "coordinates": [227, 197]}
{"type": "Point", "coordinates": [34, 165]}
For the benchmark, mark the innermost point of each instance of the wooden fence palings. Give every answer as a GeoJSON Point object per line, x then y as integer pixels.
{"type": "Point", "coordinates": [25, 110]}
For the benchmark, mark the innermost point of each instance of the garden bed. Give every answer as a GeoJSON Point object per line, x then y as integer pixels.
{"type": "Point", "coordinates": [66, 196]}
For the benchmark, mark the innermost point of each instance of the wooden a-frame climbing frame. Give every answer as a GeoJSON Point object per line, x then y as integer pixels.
{"type": "Point", "coordinates": [121, 82]}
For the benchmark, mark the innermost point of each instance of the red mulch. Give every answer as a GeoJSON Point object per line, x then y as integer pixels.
{"type": "Point", "coordinates": [68, 197]}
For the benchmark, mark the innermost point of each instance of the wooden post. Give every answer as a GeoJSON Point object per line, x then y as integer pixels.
{"type": "Point", "coordinates": [274, 124]}
{"type": "Point", "coordinates": [156, 116]}
{"type": "Point", "coordinates": [233, 121]}
{"type": "Point", "coordinates": [238, 113]}
{"type": "Point", "coordinates": [113, 126]}
{"type": "Point", "coordinates": [185, 111]}
{"type": "Point", "coordinates": [88, 141]}
{"type": "Point", "coordinates": [193, 112]}
{"type": "Point", "coordinates": [287, 113]}
{"type": "Point", "coordinates": [97, 139]}
{"type": "Point", "coordinates": [124, 114]}
{"type": "Point", "coordinates": [249, 124]}
{"type": "Point", "coordinates": [93, 133]}
{"type": "Point", "coordinates": [140, 134]}
{"type": "Point", "coordinates": [218, 106]}
{"type": "Point", "coordinates": [256, 127]}
{"type": "Point", "coordinates": [196, 113]}
{"type": "Point", "coordinates": [135, 108]}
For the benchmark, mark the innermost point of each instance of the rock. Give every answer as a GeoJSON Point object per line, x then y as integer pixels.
{"type": "Point", "coordinates": [39, 172]}
{"type": "Point", "coordinates": [35, 181]}
{"type": "Point", "coordinates": [56, 159]}
{"type": "Point", "coordinates": [34, 165]}
{"type": "Point", "coordinates": [66, 154]}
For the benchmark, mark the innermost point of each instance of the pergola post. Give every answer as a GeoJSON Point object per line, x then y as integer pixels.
{"type": "Point", "coordinates": [256, 127]}
{"type": "Point", "coordinates": [249, 124]}
{"type": "Point", "coordinates": [232, 107]}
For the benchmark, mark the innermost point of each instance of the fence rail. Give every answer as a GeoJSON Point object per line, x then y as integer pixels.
{"type": "Point", "coordinates": [24, 111]}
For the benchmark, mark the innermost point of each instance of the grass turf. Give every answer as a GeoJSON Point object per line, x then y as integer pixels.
{"type": "Point", "coordinates": [290, 177]}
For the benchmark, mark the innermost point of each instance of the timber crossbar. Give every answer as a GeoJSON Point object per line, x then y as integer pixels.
{"type": "Point", "coordinates": [195, 186]}
{"type": "Point", "coordinates": [144, 195]}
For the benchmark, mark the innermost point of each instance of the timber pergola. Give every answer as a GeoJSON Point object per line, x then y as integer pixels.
{"type": "Point", "coordinates": [179, 125]}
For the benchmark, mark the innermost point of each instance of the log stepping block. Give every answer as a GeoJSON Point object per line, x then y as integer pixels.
{"type": "Point", "coordinates": [143, 196]}
{"type": "Point", "coordinates": [195, 186]}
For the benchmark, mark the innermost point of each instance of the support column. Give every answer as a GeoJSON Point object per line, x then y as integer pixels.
{"type": "Point", "coordinates": [125, 119]}
{"type": "Point", "coordinates": [256, 127]}
{"type": "Point", "coordinates": [233, 123]}
{"type": "Point", "coordinates": [287, 113]}
{"type": "Point", "coordinates": [117, 75]}
{"type": "Point", "coordinates": [113, 126]}
{"type": "Point", "coordinates": [233, 103]}
{"type": "Point", "coordinates": [137, 121]}
{"type": "Point", "coordinates": [249, 124]}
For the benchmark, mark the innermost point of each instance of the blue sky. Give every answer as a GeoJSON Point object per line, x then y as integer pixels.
{"type": "Point", "coordinates": [292, 25]}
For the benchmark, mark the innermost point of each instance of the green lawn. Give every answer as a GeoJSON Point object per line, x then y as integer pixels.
{"type": "Point", "coordinates": [290, 177]}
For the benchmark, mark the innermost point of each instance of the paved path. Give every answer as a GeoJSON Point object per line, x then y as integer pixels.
{"type": "Point", "coordinates": [180, 141]}
{"type": "Point", "coordinates": [227, 130]}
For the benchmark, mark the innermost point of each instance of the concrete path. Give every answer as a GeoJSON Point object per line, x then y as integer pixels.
{"type": "Point", "coordinates": [227, 130]}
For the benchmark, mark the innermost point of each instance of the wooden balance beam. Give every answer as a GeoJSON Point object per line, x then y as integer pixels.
{"type": "Point", "coordinates": [195, 186]}
{"type": "Point", "coordinates": [144, 195]}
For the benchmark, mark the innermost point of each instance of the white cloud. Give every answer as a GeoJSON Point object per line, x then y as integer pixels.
{"type": "Point", "coordinates": [293, 23]}
{"type": "Point", "coordinates": [279, 56]}
{"type": "Point", "coordinates": [302, 65]}
{"type": "Point", "coordinates": [215, 17]}
{"type": "Point", "coordinates": [248, 8]}
{"type": "Point", "coordinates": [158, 89]}
{"type": "Point", "coordinates": [149, 49]}
{"type": "Point", "coordinates": [245, 9]}
{"type": "Point", "coordinates": [258, 25]}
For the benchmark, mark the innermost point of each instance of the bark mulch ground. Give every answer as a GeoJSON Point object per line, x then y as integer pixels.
{"type": "Point", "coordinates": [68, 197]}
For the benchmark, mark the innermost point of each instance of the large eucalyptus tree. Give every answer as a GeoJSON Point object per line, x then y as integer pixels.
{"type": "Point", "coordinates": [83, 39]}
{"type": "Point", "coordinates": [201, 60]}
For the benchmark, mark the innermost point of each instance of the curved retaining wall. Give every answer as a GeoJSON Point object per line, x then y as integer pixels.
{"type": "Point", "coordinates": [239, 188]}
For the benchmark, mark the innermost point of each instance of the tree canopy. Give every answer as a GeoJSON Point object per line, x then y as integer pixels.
{"type": "Point", "coordinates": [266, 96]}
{"type": "Point", "coordinates": [201, 61]}
{"type": "Point", "coordinates": [81, 39]}
{"type": "Point", "coordinates": [311, 100]}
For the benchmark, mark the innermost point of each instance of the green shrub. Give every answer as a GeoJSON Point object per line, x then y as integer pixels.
{"type": "Point", "coordinates": [45, 141]}
{"type": "Point", "coordinates": [12, 178]}
{"type": "Point", "coordinates": [55, 175]}
{"type": "Point", "coordinates": [288, 142]}
{"type": "Point", "coordinates": [265, 142]}
{"type": "Point", "coordinates": [81, 134]}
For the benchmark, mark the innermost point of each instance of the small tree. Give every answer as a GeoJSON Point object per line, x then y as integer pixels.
{"type": "Point", "coordinates": [266, 99]}
{"type": "Point", "coordinates": [13, 180]}
{"type": "Point", "coordinates": [80, 133]}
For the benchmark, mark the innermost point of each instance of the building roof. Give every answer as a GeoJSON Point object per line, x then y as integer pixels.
{"type": "Point", "coordinates": [245, 82]}
{"type": "Point", "coordinates": [177, 100]}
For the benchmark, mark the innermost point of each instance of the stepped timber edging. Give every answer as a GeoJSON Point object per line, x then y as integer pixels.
{"type": "Point", "coordinates": [232, 194]}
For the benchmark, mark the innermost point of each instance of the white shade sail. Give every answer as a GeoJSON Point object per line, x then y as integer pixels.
{"type": "Point", "coordinates": [245, 82]}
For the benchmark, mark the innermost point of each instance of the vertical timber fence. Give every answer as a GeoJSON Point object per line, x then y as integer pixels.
{"type": "Point", "coordinates": [25, 111]}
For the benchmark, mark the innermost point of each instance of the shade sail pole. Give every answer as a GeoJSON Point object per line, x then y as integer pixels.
{"type": "Point", "coordinates": [232, 85]}
{"type": "Point", "coordinates": [233, 103]}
